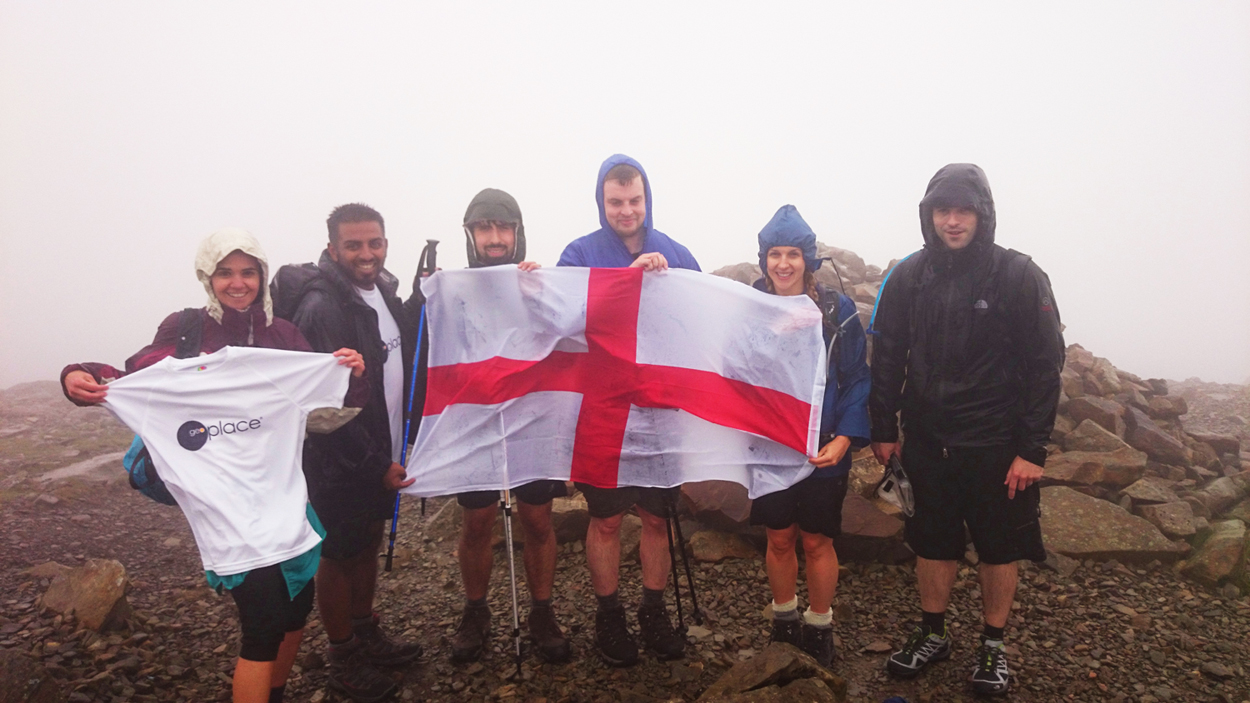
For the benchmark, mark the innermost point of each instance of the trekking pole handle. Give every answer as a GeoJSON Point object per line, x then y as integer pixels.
{"type": "Point", "coordinates": [432, 246]}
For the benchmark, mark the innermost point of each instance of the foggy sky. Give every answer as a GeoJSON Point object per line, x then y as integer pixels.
{"type": "Point", "coordinates": [1116, 137]}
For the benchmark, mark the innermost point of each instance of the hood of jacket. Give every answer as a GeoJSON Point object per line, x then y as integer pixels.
{"type": "Point", "coordinates": [218, 246]}
{"type": "Point", "coordinates": [959, 185]}
{"type": "Point", "coordinates": [788, 229]}
{"type": "Point", "coordinates": [608, 164]}
{"type": "Point", "coordinates": [495, 204]}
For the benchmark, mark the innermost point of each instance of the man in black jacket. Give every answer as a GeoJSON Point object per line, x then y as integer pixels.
{"type": "Point", "coordinates": [969, 350]}
{"type": "Point", "coordinates": [349, 299]}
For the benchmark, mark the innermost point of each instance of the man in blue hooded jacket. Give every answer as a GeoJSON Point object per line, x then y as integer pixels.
{"type": "Point", "coordinates": [626, 237]}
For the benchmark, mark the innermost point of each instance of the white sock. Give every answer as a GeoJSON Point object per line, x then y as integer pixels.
{"type": "Point", "coordinates": [818, 619]}
{"type": "Point", "coordinates": [786, 611]}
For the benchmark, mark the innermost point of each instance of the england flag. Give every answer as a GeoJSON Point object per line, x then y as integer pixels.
{"type": "Point", "coordinates": [615, 377]}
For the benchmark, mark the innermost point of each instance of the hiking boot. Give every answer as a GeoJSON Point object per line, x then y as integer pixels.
{"type": "Point", "coordinates": [991, 676]}
{"type": "Point", "coordinates": [921, 648]}
{"type": "Point", "coordinates": [818, 644]}
{"type": "Point", "coordinates": [658, 635]}
{"type": "Point", "coordinates": [612, 638]}
{"type": "Point", "coordinates": [378, 647]}
{"type": "Point", "coordinates": [351, 674]}
{"type": "Point", "coordinates": [471, 635]}
{"type": "Point", "coordinates": [789, 631]}
{"type": "Point", "coordinates": [551, 644]}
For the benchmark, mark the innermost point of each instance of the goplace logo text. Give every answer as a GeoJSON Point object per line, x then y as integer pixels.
{"type": "Point", "coordinates": [193, 434]}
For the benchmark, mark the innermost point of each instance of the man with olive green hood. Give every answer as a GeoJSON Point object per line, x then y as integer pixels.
{"type": "Point", "coordinates": [495, 236]}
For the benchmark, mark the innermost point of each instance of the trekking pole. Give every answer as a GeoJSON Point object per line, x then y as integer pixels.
{"type": "Point", "coordinates": [403, 459]}
{"type": "Point", "coordinates": [695, 613]}
{"type": "Point", "coordinates": [431, 246]}
{"type": "Point", "coordinates": [412, 391]}
{"type": "Point", "coordinates": [672, 561]}
{"type": "Point", "coordinates": [506, 504]}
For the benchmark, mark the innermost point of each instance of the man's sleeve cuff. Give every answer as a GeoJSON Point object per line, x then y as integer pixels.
{"type": "Point", "coordinates": [1033, 456]}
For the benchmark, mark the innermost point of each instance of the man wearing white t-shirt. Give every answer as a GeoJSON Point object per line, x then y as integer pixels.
{"type": "Point", "coordinates": [349, 300]}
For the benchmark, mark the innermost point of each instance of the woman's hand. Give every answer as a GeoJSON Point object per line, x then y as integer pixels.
{"type": "Point", "coordinates": [81, 386]}
{"type": "Point", "coordinates": [352, 360]}
{"type": "Point", "coordinates": [529, 265]}
{"type": "Point", "coordinates": [831, 453]}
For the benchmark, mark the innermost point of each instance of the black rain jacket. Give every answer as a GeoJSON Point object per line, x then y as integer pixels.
{"type": "Point", "coordinates": [969, 343]}
{"type": "Point", "coordinates": [345, 468]}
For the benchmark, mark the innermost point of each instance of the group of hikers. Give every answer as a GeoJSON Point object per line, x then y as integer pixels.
{"type": "Point", "coordinates": [967, 351]}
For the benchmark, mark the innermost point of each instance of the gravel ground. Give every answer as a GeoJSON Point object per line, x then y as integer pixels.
{"type": "Point", "coordinates": [1108, 632]}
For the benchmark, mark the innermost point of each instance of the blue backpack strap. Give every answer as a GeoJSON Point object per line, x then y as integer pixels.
{"type": "Point", "coordinates": [872, 321]}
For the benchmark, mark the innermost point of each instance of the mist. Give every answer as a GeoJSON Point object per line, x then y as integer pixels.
{"type": "Point", "coordinates": [1116, 138]}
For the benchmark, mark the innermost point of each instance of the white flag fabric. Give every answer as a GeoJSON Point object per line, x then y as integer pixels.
{"type": "Point", "coordinates": [615, 377]}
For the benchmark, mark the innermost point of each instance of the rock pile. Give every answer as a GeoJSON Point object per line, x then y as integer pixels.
{"type": "Point", "coordinates": [1122, 439]}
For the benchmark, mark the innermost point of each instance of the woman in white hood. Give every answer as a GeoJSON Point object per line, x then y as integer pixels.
{"type": "Point", "coordinates": [273, 601]}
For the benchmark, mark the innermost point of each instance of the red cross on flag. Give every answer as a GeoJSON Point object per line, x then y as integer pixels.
{"type": "Point", "coordinates": [615, 377]}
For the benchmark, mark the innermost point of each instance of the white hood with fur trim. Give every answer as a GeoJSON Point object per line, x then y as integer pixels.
{"type": "Point", "coordinates": [218, 246]}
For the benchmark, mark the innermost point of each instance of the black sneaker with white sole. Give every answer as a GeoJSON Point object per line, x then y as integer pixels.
{"type": "Point", "coordinates": [921, 648]}
{"type": "Point", "coordinates": [991, 677]}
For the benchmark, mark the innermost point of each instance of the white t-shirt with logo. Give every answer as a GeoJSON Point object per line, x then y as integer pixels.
{"type": "Point", "coordinates": [393, 372]}
{"type": "Point", "coordinates": [226, 433]}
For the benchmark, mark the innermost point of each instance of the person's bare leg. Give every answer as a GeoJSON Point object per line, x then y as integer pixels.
{"type": "Point", "coordinates": [334, 597]}
{"type": "Point", "coordinates": [782, 564]}
{"type": "Point", "coordinates": [540, 548]}
{"type": "Point", "coordinates": [286, 658]}
{"type": "Point", "coordinates": [653, 551]}
{"type": "Point", "coordinates": [935, 579]}
{"type": "Point", "coordinates": [603, 554]}
{"type": "Point", "coordinates": [821, 571]}
{"type": "Point", "coordinates": [251, 681]}
{"type": "Point", "coordinates": [364, 574]}
{"type": "Point", "coordinates": [998, 590]}
{"type": "Point", "coordinates": [476, 530]}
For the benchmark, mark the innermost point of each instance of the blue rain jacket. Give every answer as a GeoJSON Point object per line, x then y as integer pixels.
{"type": "Point", "coordinates": [603, 249]}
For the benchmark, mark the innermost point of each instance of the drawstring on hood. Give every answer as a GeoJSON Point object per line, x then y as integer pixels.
{"type": "Point", "coordinates": [788, 229]}
{"type": "Point", "coordinates": [218, 246]}
{"type": "Point", "coordinates": [959, 185]}
{"type": "Point", "coordinates": [495, 204]}
{"type": "Point", "coordinates": [608, 164]}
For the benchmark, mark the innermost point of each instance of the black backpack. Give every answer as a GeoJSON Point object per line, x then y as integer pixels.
{"type": "Point", "coordinates": [138, 461]}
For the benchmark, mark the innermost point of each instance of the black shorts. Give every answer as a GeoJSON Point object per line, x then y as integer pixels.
{"type": "Point", "coordinates": [814, 504]}
{"type": "Point", "coordinates": [267, 612]}
{"type": "Point", "coordinates": [609, 502]}
{"type": "Point", "coordinates": [535, 493]}
{"type": "Point", "coordinates": [966, 486]}
{"type": "Point", "coordinates": [347, 538]}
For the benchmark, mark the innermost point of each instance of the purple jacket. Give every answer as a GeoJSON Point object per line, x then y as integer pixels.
{"type": "Point", "coordinates": [232, 331]}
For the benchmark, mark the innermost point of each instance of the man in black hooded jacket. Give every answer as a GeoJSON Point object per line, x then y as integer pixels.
{"type": "Point", "coordinates": [969, 349]}
{"type": "Point", "coordinates": [353, 472]}
{"type": "Point", "coordinates": [495, 236]}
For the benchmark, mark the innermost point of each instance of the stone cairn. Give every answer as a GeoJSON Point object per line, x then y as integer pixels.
{"type": "Point", "coordinates": [1124, 479]}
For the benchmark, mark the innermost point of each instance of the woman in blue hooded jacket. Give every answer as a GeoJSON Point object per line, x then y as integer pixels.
{"type": "Point", "coordinates": [811, 510]}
